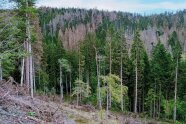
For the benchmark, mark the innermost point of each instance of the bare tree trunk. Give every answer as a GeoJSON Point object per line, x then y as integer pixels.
{"type": "Point", "coordinates": [107, 101]}
{"type": "Point", "coordinates": [70, 83]}
{"type": "Point", "coordinates": [110, 99]}
{"type": "Point", "coordinates": [136, 89]}
{"type": "Point", "coordinates": [1, 72]}
{"type": "Point", "coordinates": [29, 60]}
{"type": "Point", "coordinates": [151, 109]}
{"type": "Point", "coordinates": [77, 99]}
{"type": "Point", "coordinates": [27, 69]}
{"type": "Point", "coordinates": [121, 76]}
{"type": "Point", "coordinates": [34, 79]}
{"type": "Point", "coordinates": [175, 90]}
{"type": "Point", "coordinates": [154, 113]}
{"type": "Point", "coordinates": [22, 69]}
{"type": "Point", "coordinates": [143, 101]}
{"type": "Point", "coordinates": [66, 85]}
{"type": "Point", "coordinates": [31, 71]}
{"type": "Point", "coordinates": [110, 58]}
{"type": "Point", "coordinates": [98, 75]}
{"type": "Point", "coordinates": [61, 83]}
{"type": "Point", "coordinates": [159, 105]}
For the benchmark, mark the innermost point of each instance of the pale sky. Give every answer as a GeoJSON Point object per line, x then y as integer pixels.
{"type": "Point", "coordinates": [137, 6]}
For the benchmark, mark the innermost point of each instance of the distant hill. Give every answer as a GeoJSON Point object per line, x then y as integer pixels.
{"type": "Point", "coordinates": [71, 25]}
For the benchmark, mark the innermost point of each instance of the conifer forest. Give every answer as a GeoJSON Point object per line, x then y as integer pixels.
{"type": "Point", "coordinates": [91, 66]}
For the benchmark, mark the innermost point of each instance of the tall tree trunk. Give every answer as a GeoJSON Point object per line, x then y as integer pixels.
{"type": "Point", "coordinates": [107, 100]}
{"type": "Point", "coordinates": [29, 60]}
{"type": "Point", "coordinates": [136, 89]}
{"type": "Point", "coordinates": [61, 83]}
{"type": "Point", "coordinates": [98, 75]}
{"type": "Point", "coordinates": [31, 71]}
{"type": "Point", "coordinates": [70, 83]}
{"type": "Point", "coordinates": [34, 79]}
{"type": "Point", "coordinates": [175, 90]}
{"type": "Point", "coordinates": [143, 99]}
{"type": "Point", "coordinates": [159, 105]}
{"type": "Point", "coordinates": [154, 113]}
{"type": "Point", "coordinates": [66, 85]}
{"type": "Point", "coordinates": [27, 69]}
{"type": "Point", "coordinates": [77, 98]}
{"type": "Point", "coordinates": [110, 58]}
{"type": "Point", "coordinates": [22, 69]}
{"type": "Point", "coordinates": [110, 99]}
{"type": "Point", "coordinates": [121, 77]}
{"type": "Point", "coordinates": [151, 108]}
{"type": "Point", "coordinates": [1, 72]}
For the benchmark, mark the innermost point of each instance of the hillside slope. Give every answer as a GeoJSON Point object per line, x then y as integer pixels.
{"type": "Point", "coordinates": [71, 25]}
{"type": "Point", "coordinates": [17, 107]}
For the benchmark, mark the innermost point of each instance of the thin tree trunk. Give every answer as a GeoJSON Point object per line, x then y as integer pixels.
{"type": "Point", "coordinates": [31, 71]}
{"type": "Point", "coordinates": [77, 98]}
{"type": "Point", "coordinates": [151, 108]}
{"type": "Point", "coordinates": [154, 113]}
{"type": "Point", "coordinates": [136, 89]}
{"type": "Point", "coordinates": [70, 83]}
{"type": "Point", "coordinates": [110, 57]}
{"type": "Point", "coordinates": [175, 91]}
{"type": "Point", "coordinates": [39, 79]}
{"type": "Point", "coordinates": [124, 104]}
{"type": "Point", "coordinates": [159, 105]}
{"type": "Point", "coordinates": [22, 69]}
{"type": "Point", "coordinates": [98, 85]}
{"type": "Point", "coordinates": [66, 85]}
{"type": "Point", "coordinates": [143, 101]}
{"type": "Point", "coordinates": [1, 72]}
{"type": "Point", "coordinates": [61, 83]}
{"type": "Point", "coordinates": [27, 69]}
{"type": "Point", "coordinates": [34, 80]}
{"type": "Point", "coordinates": [121, 76]}
{"type": "Point", "coordinates": [107, 101]}
{"type": "Point", "coordinates": [29, 79]}
{"type": "Point", "coordinates": [110, 99]}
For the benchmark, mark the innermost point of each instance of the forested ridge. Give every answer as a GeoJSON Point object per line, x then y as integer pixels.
{"type": "Point", "coordinates": [120, 62]}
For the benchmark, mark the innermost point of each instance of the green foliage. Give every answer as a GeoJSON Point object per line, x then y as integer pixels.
{"type": "Point", "coordinates": [155, 71]}
{"type": "Point", "coordinates": [81, 88]}
{"type": "Point", "coordinates": [168, 106]}
{"type": "Point", "coordinates": [175, 45]}
{"type": "Point", "coordinates": [111, 82]}
{"type": "Point", "coordinates": [65, 64]}
{"type": "Point", "coordinates": [33, 114]}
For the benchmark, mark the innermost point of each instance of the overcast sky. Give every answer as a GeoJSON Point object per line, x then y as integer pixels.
{"type": "Point", "coordinates": [137, 6]}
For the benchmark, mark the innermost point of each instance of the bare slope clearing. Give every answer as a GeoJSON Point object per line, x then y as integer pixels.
{"type": "Point", "coordinates": [17, 107]}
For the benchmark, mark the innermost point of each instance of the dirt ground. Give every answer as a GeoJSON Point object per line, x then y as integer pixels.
{"type": "Point", "coordinates": [17, 107]}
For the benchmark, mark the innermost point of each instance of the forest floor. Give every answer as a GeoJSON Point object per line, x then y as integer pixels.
{"type": "Point", "coordinates": [17, 107]}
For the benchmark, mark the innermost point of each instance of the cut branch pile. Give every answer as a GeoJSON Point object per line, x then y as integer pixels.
{"type": "Point", "coordinates": [16, 106]}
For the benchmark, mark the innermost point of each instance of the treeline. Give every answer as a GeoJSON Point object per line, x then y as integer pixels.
{"type": "Point", "coordinates": [105, 73]}
{"type": "Point", "coordinates": [102, 71]}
